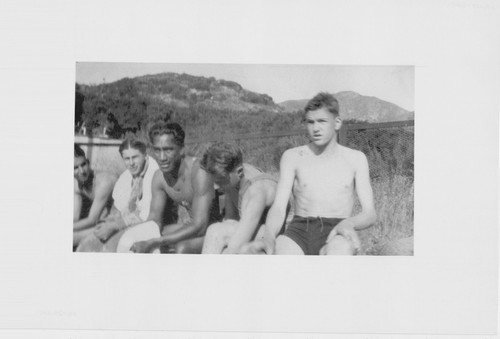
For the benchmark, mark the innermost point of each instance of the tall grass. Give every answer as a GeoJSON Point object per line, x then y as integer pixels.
{"type": "Point", "coordinates": [393, 198]}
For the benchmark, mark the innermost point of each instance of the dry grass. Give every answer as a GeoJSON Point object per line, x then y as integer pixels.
{"type": "Point", "coordinates": [394, 205]}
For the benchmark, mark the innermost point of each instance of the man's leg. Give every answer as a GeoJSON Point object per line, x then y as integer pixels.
{"type": "Point", "coordinates": [141, 232]}
{"type": "Point", "coordinates": [78, 236]}
{"type": "Point", "coordinates": [189, 246]}
{"type": "Point", "coordinates": [285, 245]}
{"type": "Point", "coordinates": [218, 236]}
{"type": "Point", "coordinates": [338, 246]}
{"type": "Point", "coordinates": [90, 244]}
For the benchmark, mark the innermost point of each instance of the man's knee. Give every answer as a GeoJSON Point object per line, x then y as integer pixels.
{"type": "Point", "coordinates": [214, 229]}
{"type": "Point", "coordinates": [339, 245]}
{"type": "Point", "coordinates": [125, 243]}
{"type": "Point", "coordinates": [221, 231]}
{"type": "Point", "coordinates": [285, 245]}
{"type": "Point", "coordinates": [89, 244]}
{"type": "Point", "coordinates": [79, 236]}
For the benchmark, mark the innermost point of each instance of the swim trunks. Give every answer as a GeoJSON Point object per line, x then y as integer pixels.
{"type": "Point", "coordinates": [310, 233]}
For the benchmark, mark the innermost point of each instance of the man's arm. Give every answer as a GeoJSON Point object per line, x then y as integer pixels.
{"type": "Point", "coordinates": [158, 199]}
{"type": "Point", "coordinates": [77, 202]}
{"type": "Point", "coordinates": [277, 212]}
{"type": "Point", "coordinates": [203, 194]}
{"type": "Point", "coordinates": [256, 199]}
{"type": "Point", "coordinates": [103, 189]}
{"type": "Point", "coordinates": [367, 216]}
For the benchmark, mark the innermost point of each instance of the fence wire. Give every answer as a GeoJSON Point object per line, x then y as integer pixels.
{"type": "Point", "coordinates": [390, 149]}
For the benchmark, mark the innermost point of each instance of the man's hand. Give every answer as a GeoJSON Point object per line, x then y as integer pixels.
{"type": "Point", "coordinates": [105, 230]}
{"type": "Point", "coordinates": [346, 229]}
{"type": "Point", "coordinates": [257, 247]}
{"type": "Point", "coordinates": [142, 247]}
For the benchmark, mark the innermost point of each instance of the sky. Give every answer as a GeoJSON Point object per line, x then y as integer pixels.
{"type": "Point", "coordinates": [282, 82]}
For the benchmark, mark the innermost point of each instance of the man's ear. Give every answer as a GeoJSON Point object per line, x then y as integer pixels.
{"type": "Point", "coordinates": [338, 123]}
{"type": "Point", "coordinates": [239, 171]}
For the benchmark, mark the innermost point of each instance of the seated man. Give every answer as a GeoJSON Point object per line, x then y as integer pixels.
{"type": "Point", "coordinates": [131, 196]}
{"type": "Point", "coordinates": [322, 176]}
{"type": "Point", "coordinates": [92, 196]}
{"type": "Point", "coordinates": [180, 181]}
{"type": "Point", "coordinates": [248, 195]}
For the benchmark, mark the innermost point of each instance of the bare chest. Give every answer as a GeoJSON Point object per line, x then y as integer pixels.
{"type": "Point", "coordinates": [179, 189]}
{"type": "Point", "coordinates": [324, 175]}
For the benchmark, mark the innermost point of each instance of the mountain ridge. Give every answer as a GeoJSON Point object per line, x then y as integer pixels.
{"type": "Point", "coordinates": [354, 106]}
{"type": "Point", "coordinates": [131, 100]}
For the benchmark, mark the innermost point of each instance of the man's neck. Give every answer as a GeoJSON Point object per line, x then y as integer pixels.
{"type": "Point", "coordinates": [329, 149]}
{"type": "Point", "coordinates": [87, 184]}
{"type": "Point", "coordinates": [172, 176]}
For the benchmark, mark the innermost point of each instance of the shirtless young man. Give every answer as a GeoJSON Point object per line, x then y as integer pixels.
{"type": "Point", "coordinates": [248, 195]}
{"type": "Point", "coordinates": [180, 180]}
{"type": "Point", "coordinates": [322, 176]}
{"type": "Point", "coordinates": [92, 196]}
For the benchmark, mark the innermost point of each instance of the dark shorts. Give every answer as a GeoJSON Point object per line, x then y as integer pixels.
{"type": "Point", "coordinates": [310, 233]}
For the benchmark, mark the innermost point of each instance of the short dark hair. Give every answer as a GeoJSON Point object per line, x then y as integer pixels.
{"type": "Point", "coordinates": [134, 143]}
{"type": "Point", "coordinates": [173, 128]}
{"type": "Point", "coordinates": [221, 158]}
{"type": "Point", "coordinates": [79, 152]}
{"type": "Point", "coordinates": [323, 100]}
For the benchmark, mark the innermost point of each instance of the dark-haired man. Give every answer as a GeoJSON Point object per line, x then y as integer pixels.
{"type": "Point", "coordinates": [248, 194]}
{"type": "Point", "coordinates": [92, 196]}
{"type": "Point", "coordinates": [180, 181]}
{"type": "Point", "coordinates": [322, 176]}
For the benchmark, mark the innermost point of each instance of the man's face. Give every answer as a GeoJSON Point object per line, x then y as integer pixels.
{"type": "Point", "coordinates": [134, 160]}
{"type": "Point", "coordinates": [166, 152]}
{"type": "Point", "coordinates": [322, 126]}
{"type": "Point", "coordinates": [228, 181]}
{"type": "Point", "coordinates": [82, 169]}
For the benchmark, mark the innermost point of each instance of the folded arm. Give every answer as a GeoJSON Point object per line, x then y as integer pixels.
{"type": "Point", "coordinates": [103, 189]}
{"type": "Point", "coordinates": [254, 202]}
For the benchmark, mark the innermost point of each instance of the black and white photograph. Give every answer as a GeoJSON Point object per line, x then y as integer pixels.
{"type": "Point", "coordinates": [219, 171]}
{"type": "Point", "coordinates": [345, 152]}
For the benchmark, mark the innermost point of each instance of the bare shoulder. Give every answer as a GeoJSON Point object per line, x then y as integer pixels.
{"type": "Point", "coordinates": [298, 152]}
{"type": "Point", "coordinates": [355, 157]}
{"type": "Point", "coordinates": [200, 178]}
{"type": "Point", "coordinates": [158, 178]}
{"type": "Point", "coordinates": [296, 155]}
{"type": "Point", "coordinates": [105, 179]}
{"type": "Point", "coordinates": [261, 188]}
{"type": "Point", "coordinates": [194, 166]}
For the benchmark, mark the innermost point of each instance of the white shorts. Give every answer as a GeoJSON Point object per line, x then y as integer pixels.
{"type": "Point", "coordinates": [145, 231]}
